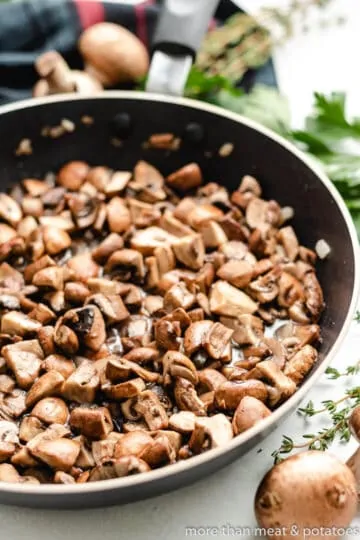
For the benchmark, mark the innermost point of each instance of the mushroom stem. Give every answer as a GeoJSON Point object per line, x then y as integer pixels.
{"type": "Point", "coordinates": [52, 67]}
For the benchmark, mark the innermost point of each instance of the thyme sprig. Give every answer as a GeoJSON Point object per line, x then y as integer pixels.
{"type": "Point", "coordinates": [338, 416]}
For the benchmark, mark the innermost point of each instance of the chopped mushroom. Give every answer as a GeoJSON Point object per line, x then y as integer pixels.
{"type": "Point", "coordinates": [135, 313]}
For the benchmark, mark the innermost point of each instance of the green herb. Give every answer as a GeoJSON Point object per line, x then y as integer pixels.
{"type": "Point", "coordinates": [357, 316]}
{"type": "Point", "coordinates": [337, 413]}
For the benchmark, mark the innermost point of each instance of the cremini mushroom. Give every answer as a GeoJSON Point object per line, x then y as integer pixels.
{"type": "Point", "coordinates": [230, 301]}
{"type": "Point", "coordinates": [51, 410]}
{"type": "Point", "coordinates": [312, 490]}
{"type": "Point", "coordinates": [82, 384]}
{"type": "Point", "coordinates": [186, 178]}
{"type": "Point", "coordinates": [94, 423]}
{"type": "Point", "coordinates": [46, 385]}
{"type": "Point", "coordinates": [249, 412]}
{"type": "Point", "coordinates": [112, 54]}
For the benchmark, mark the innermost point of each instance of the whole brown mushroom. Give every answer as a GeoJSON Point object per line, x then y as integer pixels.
{"type": "Point", "coordinates": [112, 54]}
{"type": "Point", "coordinates": [305, 493]}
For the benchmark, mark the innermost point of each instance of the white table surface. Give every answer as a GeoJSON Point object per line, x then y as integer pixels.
{"type": "Point", "coordinates": [318, 61]}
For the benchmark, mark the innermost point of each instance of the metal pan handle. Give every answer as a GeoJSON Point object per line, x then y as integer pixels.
{"type": "Point", "coordinates": [179, 33]}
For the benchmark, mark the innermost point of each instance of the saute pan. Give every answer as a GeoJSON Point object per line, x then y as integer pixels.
{"type": "Point", "coordinates": [285, 174]}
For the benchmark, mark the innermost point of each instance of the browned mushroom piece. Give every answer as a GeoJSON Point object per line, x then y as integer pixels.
{"type": "Point", "coordinates": [238, 273]}
{"type": "Point", "coordinates": [269, 372]}
{"type": "Point", "coordinates": [88, 324]}
{"type": "Point", "coordinates": [314, 299]}
{"type": "Point", "coordinates": [132, 444]}
{"type": "Point", "coordinates": [111, 306]}
{"type": "Point", "coordinates": [126, 264]}
{"type": "Point", "coordinates": [183, 421]}
{"type": "Point", "coordinates": [146, 241]}
{"type": "Point", "coordinates": [173, 225]}
{"type": "Point", "coordinates": [124, 390]}
{"type": "Point", "coordinates": [30, 426]}
{"type": "Point", "coordinates": [18, 324]}
{"type": "Point", "coordinates": [176, 364]}
{"type": "Point", "coordinates": [51, 410]}
{"type": "Point", "coordinates": [190, 251]}
{"type": "Point", "coordinates": [82, 384]}
{"type": "Point", "coordinates": [167, 334]}
{"type": "Point", "coordinates": [113, 242]}
{"type": "Point", "coordinates": [302, 334]}
{"type": "Point", "coordinates": [10, 210]}
{"type": "Point", "coordinates": [186, 178]}
{"type": "Point", "coordinates": [195, 336]}
{"type": "Point", "coordinates": [215, 429]}
{"type": "Point", "coordinates": [217, 341]}
{"type": "Point", "coordinates": [51, 277]}
{"type": "Point", "coordinates": [24, 359]}
{"type": "Point", "coordinates": [178, 296]}
{"type": "Point", "coordinates": [147, 183]}
{"type": "Point", "coordinates": [290, 290]}
{"type": "Point", "coordinates": [83, 267]}
{"type": "Point", "coordinates": [117, 468]}
{"type": "Point", "coordinates": [230, 393]}
{"type": "Point", "coordinates": [65, 338]}
{"type": "Point", "coordinates": [299, 365]}
{"type": "Point", "coordinates": [148, 406]}
{"type": "Point", "coordinates": [187, 398]}
{"type": "Point", "coordinates": [249, 412]}
{"type": "Point", "coordinates": [46, 385]}
{"type": "Point", "coordinates": [93, 423]}
{"type": "Point", "coordinates": [230, 301]}
{"type": "Point", "coordinates": [58, 453]}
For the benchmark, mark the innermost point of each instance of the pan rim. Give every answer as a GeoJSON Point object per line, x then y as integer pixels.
{"type": "Point", "coordinates": [285, 408]}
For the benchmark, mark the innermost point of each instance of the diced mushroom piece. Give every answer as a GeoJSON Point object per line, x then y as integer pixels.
{"type": "Point", "coordinates": [12, 405]}
{"type": "Point", "coordinates": [51, 410]}
{"type": "Point", "coordinates": [217, 429]}
{"type": "Point", "coordinates": [148, 183]}
{"type": "Point", "coordinates": [52, 277]}
{"type": "Point", "coordinates": [159, 452]}
{"type": "Point", "coordinates": [142, 355]}
{"type": "Point", "coordinates": [165, 259]}
{"type": "Point", "coordinates": [277, 350]}
{"type": "Point", "coordinates": [18, 324]}
{"type": "Point", "coordinates": [76, 292]}
{"type": "Point", "coordinates": [9, 434]}
{"type": "Point", "coordinates": [88, 324]}
{"type": "Point", "coordinates": [270, 372]}
{"type": "Point", "coordinates": [124, 390]}
{"type": "Point", "coordinates": [120, 369]}
{"type": "Point", "coordinates": [81, 386]}
{"type": "Point", "coordinates": [99, 177]}
{"type": "Point", "coordinates": [149, 407]}
{"type": "Point", "coordinates": [186, 397]}
{"type": "Point", "coordinates": [55, 240]}
{"type": "Point", "coordinates": [61, 221]}
{"type": "Point", "coordinates": [84, 209]}
{"type": "Point", "coordinates": [178, 296]}
{"type": "Point", "coordinates": [249, 184]}
{"type": "Point", "coordinates": [265, 288]}
{"type": "Point", "coordinates": [167, 334]}
{"type": "Point", "coordinates": [107, 247]}
{"type": "Point", "coordinates": [132, 444]}
{"type": "Point", "coordinates": [94, 423]}
{"type": "Point", "coordinates": [213, 234]}
{"type": "Point", "coordinates": [303, 334]}
{"type": "Point", "coordinates": [59, 453]}
{"type": "Point", "coordinates": [7, 384]}
{"type": "Point", "coordinates": [23, 458]}
{"type": "Point", "coordinates": [24, 359]}
{"type": "Point", "coordinates": [195, 336]}
{"type": "Point", "coordinates": [117, 468]}
{"type": "Point", "coordinates": [238, 273]}
{"type": "Point", "coordinates": [249, 412]}
{"type": "Point", "coordinates": [230, 393]}
{"type": "Point", "coordinates": [210, 379]}
{"type": "Point", "coordinates": [104, 286]}
{"type": "Point", "coordinates": [85, 459]}
{"type": "Point", "coordinates": [60, 477]}
{"type": "Point", "coordinates": [143, 214]}
{"type": "Point", "coordinates": [190, 251]}
{"type": "Point", "coordinates": [32, 206]}
{"type": "Point", "coordinates": [229, 301]}
{"type": "Point", "coordinates": [9, 301]}
{"type": "Point", "coordinates": [217, 340]}
{"type": "Point", "coordinates": [301, 363]}
{"type": "Point", "coordinates": [47, 385]}
{"type": "Point", "coordinates": [111, 306]}
{"type": "Point", "coordinates": [126, 264]}
{"type": "Point", "coordinates": [153, 304]}
{"type": "Point", "coordinates": [36, 266]}
{"type": "Point", "coordinates": [35, 187]}
{"type": "Point", "coordinates": [42, 313]}
{"type": "Point", "coordinates": [8, 473]}
{"type": "Point", "coordinates": [30, 426]}
{"type": "Point", "coordinates": [183, 421]}
{"type": "Point", "coordinates": [7, 449]}
{"type": "Point", "coordinates": [176, 364]}
{"type": "Point", "coordinates": [174, 226]}
{"type": "Point", "coordinates": [248, 329]}
{"type": "Point", "coordinates": [118, 215]}
{"type": "Point", "coordinates": [260, 215]}
{"type": "Point", "coordinates": [290, 290]}
{"type": "Point", "coordinates": [314, 299]}
{"type": "Point", "coordinates": [65, 338]}
{"type": "Point", "coordinates": [202, 214]}
{"type": "Point", "coordinates": [6, 233]}
{"type": "Point", "coordinates": [10, 210]}
{"type": "Point", "coordinates": [83, 267]}
{"type": "Point", "coordinates": [46, 339]}
{"type": "Point", "coordinates": [186, 178]}
{"type": "Point", "coordinates": [73, 174]}
{"type": "Point", "coordinates": [147, 240]}
{"type": "Point", "coordinates": [290, 242]}
{"type": "Point", "coordinates": [103, 450]}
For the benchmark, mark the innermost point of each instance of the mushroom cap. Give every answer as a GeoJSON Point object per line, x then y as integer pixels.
{"type": "Point", "coordinates": [311, 490]}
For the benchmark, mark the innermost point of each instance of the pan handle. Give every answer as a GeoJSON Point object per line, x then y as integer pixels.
{"type": "Point", "coordinates": [179, 33]}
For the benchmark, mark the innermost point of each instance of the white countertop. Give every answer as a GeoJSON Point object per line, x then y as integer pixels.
{"type": "Point", "coordinates": [318, 61]}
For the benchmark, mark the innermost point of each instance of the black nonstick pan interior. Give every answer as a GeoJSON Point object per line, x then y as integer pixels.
{"type": "Point", "coordinates": [284, 176]}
